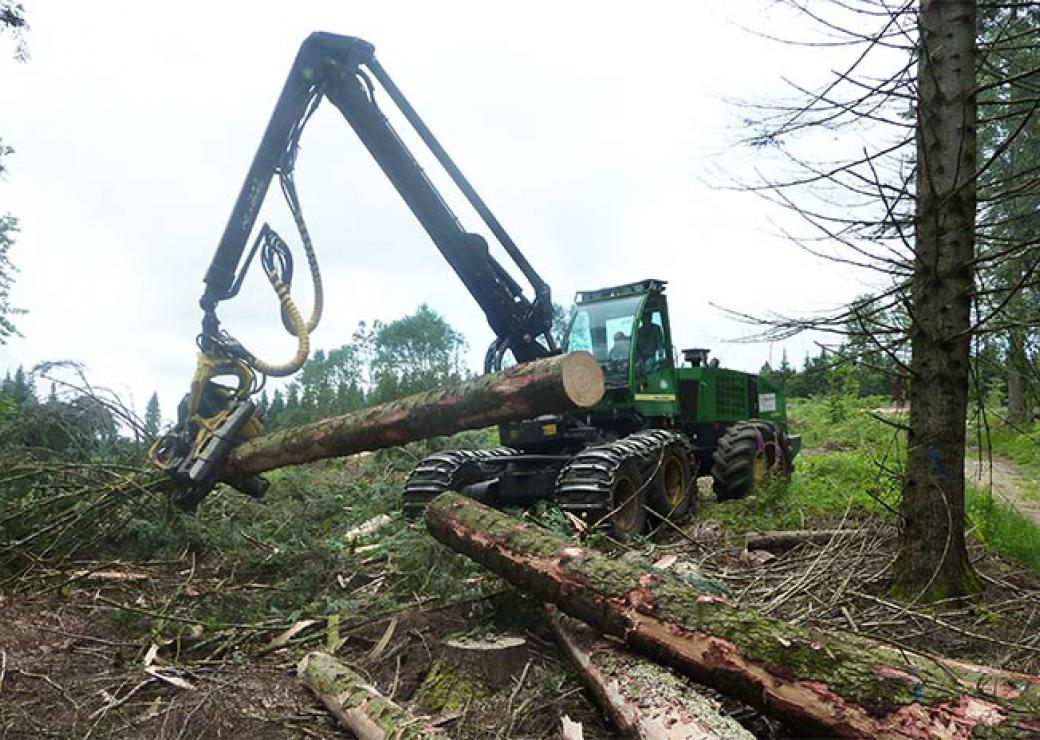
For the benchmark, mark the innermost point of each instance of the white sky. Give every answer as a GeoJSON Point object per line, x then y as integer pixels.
{"type": "Point", "coordinates": [589, 128]}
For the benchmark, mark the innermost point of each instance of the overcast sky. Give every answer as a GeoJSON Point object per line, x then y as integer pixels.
{"type": "Point", "coordinates": [593, 130]}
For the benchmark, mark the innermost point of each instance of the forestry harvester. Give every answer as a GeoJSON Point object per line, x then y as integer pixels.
{"type": "Point", "coordinates": [657, 427]}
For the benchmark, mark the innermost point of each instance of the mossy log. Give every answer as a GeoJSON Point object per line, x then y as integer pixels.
{"type": "Point", "coordinates": [552, 385]}
{"type": "Point", "coordinates": [787, 539]}
{"type": "Point", "coordinates": [358, 706]}
{"type": "Point", "coordinates": [820, 683]}
{"type": "Point", "coordinates": [644, 700]}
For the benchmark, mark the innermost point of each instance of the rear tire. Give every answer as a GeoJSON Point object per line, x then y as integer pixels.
{"type": "Point", "coordinates": [747, 454]}
{"type": "Point", "coordinates": [672, 491]}
{"type": "Point", "coordinates": [628, 500]}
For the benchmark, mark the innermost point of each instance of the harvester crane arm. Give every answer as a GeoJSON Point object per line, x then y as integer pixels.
{"type": "Point", "coordinates": [342, 69]}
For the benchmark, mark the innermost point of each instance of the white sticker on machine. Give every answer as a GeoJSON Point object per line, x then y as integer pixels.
{"type": "Point", "coordinates": [766, 402]}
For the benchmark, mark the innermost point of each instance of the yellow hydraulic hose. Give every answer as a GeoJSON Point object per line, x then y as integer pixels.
{"type": "Point", "coordinates": [300, 329]}
{"type": "Point", "coordinates": [296, 325]}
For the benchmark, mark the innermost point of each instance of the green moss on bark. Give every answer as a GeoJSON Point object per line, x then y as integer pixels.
{"type": "Point", "coordinates": [618, 598]}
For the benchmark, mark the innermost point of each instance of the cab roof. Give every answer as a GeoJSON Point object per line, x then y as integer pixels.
{"type": "Point", "coordinates": [649, 285]}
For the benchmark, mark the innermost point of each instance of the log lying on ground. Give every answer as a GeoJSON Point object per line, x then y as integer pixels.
{"type": "Point", "coordinates": [779, 540]}
{"type": "Point", "coordinates": [644, 700]}
{"type": "Point", "coordinates": [358, 706]}
{"type": "Point", "coordinates": [552, 385]}
{"type": "Point", "coordinates": [822, 683]}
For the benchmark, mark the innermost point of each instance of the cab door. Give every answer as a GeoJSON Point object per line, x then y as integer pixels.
{"type": "Point", "coordinates": [653, 365]}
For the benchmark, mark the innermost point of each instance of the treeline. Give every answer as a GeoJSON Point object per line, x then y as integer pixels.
{"type": "Point", "coordinates": [72, 421]}
{"type": "Point", "coordinates": [868, 363]}
{"type": "Point", "coordinates": [380, 363]}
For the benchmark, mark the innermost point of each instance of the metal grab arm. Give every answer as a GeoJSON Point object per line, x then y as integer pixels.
{"type": "Point", "coordinates": [341, 69]}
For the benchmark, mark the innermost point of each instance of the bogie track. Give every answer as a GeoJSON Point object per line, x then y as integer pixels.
{"type": "Point", "coordinates": [586, 484]}
{"type": "Point", "coordinates": [449, 471]}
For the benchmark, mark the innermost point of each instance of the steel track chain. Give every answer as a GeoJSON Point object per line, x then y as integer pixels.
{"type": "Point", "coordinates": [436, 474]}
{"type": "Point", "coordinates": [584, 485]}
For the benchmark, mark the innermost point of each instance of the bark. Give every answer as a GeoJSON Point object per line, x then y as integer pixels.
{"type": "Point", "coordinates": [1020, 374]}
{"type": "Point", "coordinates": [780, 540]}
{"type": "Point", "coordinates": [552, 385]}
{"type": "Point", "coordinates": [643, 699]}
{"type": "Point", "coordinates": [358, 706]}
{"type": "Point", "coordinates": [823, 683]}
{"type": "Point", "coordinates": [933, 561]}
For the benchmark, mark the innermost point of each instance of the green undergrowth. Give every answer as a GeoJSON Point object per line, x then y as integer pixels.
{"type": "Point", "coordinates": [289, 556]}
{"type": "Point", "coordinates": [824, 489]}
{"type": "Point", "coordinates": [1003, 528]}
{"type": "Point", "coordinates": [852, 466]}
{"type": "Point", "coordinates": [837, 422]}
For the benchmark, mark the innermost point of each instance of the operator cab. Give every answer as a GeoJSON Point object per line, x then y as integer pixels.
{"type": "Point", "coordinates": [626, 329]}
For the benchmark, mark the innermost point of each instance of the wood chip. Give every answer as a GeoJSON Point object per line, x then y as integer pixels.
{"type": "Point", "coordinates": [666, 562]}
{"type": "Point", "coordinates": [169, 675]}
{"type": "Point", "coordinates": [383, 641]}
{"type": "Point", "coordinates": [371, 526]}
{"type": "Point", "coordinates": [571, 730]}
{"type": "Point", "coordinates": [282, 639]}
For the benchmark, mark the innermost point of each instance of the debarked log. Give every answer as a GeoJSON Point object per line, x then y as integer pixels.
{"type": "Point", "coordinates": [821, 683]}
{"type": "Point", "coordinates": [551, 385]}
{"type": "Point", "coordinates": [644, 700]}
{"type": "Point", "coordinates": [357, 705]}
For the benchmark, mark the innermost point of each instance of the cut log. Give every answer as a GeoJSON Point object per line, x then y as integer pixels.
{"type": "Point", "coordinates": [822, 683]}
{"type": "Point", "coordinates": [644, 700]}
{"type": "Point", "coordinates": [780, 540]}
{"type": "Point", "coordinates": [358, 706]}
{"type": "Point", "coordinates": [552, 385]}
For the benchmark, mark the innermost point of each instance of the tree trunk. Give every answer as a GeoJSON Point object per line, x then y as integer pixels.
{"type": "Point", "coordinates": [356, 705]}
{"type": "Point", "coordinates": [552, 385]}
{"type": "Point", "coordinates": [933, 561]}
{"type": "Point", "coordinates": [643, 699]}
{"type": "Point", "coordinates": [828, 684]}
{"type": "Point", "coordinates": [1020, 374]}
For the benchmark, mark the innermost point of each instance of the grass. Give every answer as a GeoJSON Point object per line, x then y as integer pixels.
{"type": "Point", "coordinates": [1003, 528]}
{"type": "Point", "coordinates": [823, 488]}
{"type": "Point", "coordinates": [851, 477]}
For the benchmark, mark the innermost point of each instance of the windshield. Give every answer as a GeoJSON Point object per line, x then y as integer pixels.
{"type": "Point", "coordinates": [605, 330]}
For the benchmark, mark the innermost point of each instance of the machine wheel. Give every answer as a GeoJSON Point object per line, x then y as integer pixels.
{"type": "Point", "coordinates": [672, 492]}
{"type": "Point", "coordinates": [628, 496]}
{"type": "Point", "coordinates": [747, 454]}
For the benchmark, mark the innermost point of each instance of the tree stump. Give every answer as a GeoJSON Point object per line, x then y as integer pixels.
{"type": "Point", "coordinates": [495, 658]}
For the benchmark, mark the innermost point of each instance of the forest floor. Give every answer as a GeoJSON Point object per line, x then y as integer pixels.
{"type": "Point", "coordinates": [192, 627]}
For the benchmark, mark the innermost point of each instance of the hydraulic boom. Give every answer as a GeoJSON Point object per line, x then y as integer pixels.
{"type": "Point", "coordinates": [343, 70]}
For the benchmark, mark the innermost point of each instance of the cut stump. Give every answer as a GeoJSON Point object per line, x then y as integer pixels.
{"type": "Point", "coordinates": [495, 658]}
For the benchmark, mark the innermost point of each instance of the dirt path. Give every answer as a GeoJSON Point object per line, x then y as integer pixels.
{"type": "Point", "coordinates": [1010, 483]}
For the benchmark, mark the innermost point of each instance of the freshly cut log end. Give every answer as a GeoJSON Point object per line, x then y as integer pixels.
{"type": "Point", "coordinates": [583, 381]}
{"type": "Point", "coordinates": [644, 700]}
{"type": "Point", "coordinates": [551, 385]}
{"type": "Point", "coordinates": [358, 706]}
{"type": "Point", "coordinates": [826, 684]}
